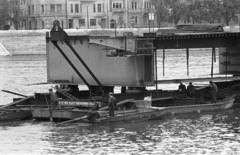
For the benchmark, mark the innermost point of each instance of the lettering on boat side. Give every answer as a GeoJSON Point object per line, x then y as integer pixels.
{"type": "Point", "coordinates": [76, 103]}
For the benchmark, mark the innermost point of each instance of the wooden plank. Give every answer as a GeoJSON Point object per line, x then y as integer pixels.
{"type": "Point", "coordinates": [202, 87]}
{"type": "Point", "coordinates": [163, 98]}
{"type": "Point", "coordinates": [7, 91]}
{"type": "Point", "coordinates": [119, 103]}
{"type": "Point", "coordinates": [16, 102]}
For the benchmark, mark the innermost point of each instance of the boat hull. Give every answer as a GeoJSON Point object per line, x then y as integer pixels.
{"type": "Point", "coordinates": [156, 112]}
{"type": "Point", "coordinates": [130, 115]}
{"type": "Point", "coordinates": [63, 114]}
{"type": "Point", "coordinates": [15, 115]}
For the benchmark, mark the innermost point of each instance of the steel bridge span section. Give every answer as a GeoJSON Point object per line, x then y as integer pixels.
{"type": "Point", "coordinates": [64, 66]}
{"type": "Point", "coordinates": [227, 42]}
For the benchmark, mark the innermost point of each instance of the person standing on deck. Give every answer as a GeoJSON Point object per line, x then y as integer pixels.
{"type": "Point", "coordinates": [214, 90]}
{"type": "Point", "coordinates": [190, 90]}
{"type": "Point", "coordinates": [182, 88]}
{"type": "Point", "coordinates": [53, 98]}
{"type": "Point", "coordinates": [111, 105]}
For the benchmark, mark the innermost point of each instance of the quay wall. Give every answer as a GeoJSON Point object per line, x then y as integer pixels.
{"type": "Point", "coordinates": [30, 42]}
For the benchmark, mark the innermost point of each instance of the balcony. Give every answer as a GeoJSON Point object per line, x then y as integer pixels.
{"type": "Point", "coordinates": [116, 10]}
{"type": "Point", "coordinates": [145, 10]}
{"type": "Point", "coordinates": [88, 0]}
{"type": "Point", "coordinates": [46, 14]}
{"type": "Point", "coordinates": [135, 10]}
{"type": "Point", "coordinates": [76, 15]}
{"type": "Point", "coordinates": [100, 15]}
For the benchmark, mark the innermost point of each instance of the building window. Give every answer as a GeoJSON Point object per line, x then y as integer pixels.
{"type": "Point", "coordinates": [81, 22]}
{"type": "Point", "coordinates": [76, 8]}
{"type": "Point", "coordinates": [29, 10]}
{"type": "Point", "coordinates": [43, 25]}
{"type": "Point", "coordinates": [93, 22]}
{"type": "Point", "coordinates": [42, 6]}
{"type": "Point", "coordinates": [32, 9]}
{"type": "Point", "coordinates": [146, 5]}
{"type": "Point", "coordinates": [136, 19]}
{"type": "Point", "coordinates": [52, 8]}
{"type": "Point", "coordinates": [99, 8]}
{"type": "Point", "coordinates": [70, 21]}
{"type": "Point", "coordinates": [59, 8]}
{"type": "Point", "coordinates": [30, 25]}
{"type": "Point", "coordinates": [23, 2]}
{"type": "Point", "coordinates": [71, 8]}
{"type": "Point", "coordinates": [117, 5]}
{"type": "Point", "coordinates": [145, 19]}
{"type": "Point", "coordinates": [134, 5]}
{"type": "Point", "coordinates": [94, 8]}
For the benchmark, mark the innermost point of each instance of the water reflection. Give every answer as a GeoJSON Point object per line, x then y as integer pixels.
{"type": "Point", "coordinates": [192, 134]}
{"type": "Point", "coordinates": [208, 133]}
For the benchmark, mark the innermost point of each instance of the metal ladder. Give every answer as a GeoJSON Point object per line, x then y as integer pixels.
{"type": "Point", "coordinates": [65, 93]}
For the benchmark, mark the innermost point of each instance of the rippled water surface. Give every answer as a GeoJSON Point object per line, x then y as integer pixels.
{"type": "Point", "coordinates": [206, 133]}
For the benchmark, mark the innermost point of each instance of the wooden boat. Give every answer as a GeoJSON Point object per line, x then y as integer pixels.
{"type": "Point", "coordinates": [59, 114]}
{"type": "Point", "coordinates": [146, 112]}
{"type": "Point", "coordinates": [67, 110]}
{"type": "Point", "coordinates": [142, 110]}
{"type": "Point", "coordinates": [15, 110]}
{"type": "Point", "coordinates": [15, 114]}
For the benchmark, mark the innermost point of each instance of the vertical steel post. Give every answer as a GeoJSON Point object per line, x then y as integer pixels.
{"type": "Point", "coordinates": [163, 62]}
{"type": "Point", "coordinates": [212, 62]}
{"type": "Point", "coordinates": [115, 25]}
{"type": "Point", "coordinates": [153, 23]}
{"type": "Point", "coordinates": [148, 23]}
{"type": "Point", "coordinates": [226, 60]}
{"type": "Point", "coordinates": [187, 50]}
{"type": "Point", "coordinates": [214, 54]}
{"type": "Point", "coordinates": [156, 76]}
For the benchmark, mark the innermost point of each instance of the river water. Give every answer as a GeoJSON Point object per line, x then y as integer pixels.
{"type": "Point", "coordinates": [205, 133]}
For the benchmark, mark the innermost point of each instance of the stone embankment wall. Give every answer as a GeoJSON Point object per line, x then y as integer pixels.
{"type": "Point", "coordinates": [25, 42]}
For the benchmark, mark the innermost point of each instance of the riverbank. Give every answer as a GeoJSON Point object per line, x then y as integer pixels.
{"type": "Point", "coordinates": [32, 42]}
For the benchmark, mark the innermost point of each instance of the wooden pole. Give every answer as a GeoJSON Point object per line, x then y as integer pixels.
{"type": "Point", "coordinates": [16, 102]}
{"type": "Point", "coordinates": [7, 91]}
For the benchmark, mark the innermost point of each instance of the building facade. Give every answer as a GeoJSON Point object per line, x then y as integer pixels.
{"type": "Point", "coordinates": [84, 14]}
{"type": "Point", "coordinates": [40, 14]}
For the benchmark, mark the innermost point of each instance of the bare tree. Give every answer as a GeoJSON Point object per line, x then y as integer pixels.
{"type": "Point", "coordinates": [162, 11]}
{"type": "Point", "coordinates": [229, 9]}
{"type": "Point", "coordinates": [3, 12]}
{"type": "Point", "coordinates": [10, 11]}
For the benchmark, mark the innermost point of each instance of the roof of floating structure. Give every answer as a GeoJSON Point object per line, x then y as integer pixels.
{"type": "Point", "coordinates": [197, 80]}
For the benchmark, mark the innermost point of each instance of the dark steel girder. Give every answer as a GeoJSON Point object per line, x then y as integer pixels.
{"type": "Point", "coordinates": [180, 42]}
